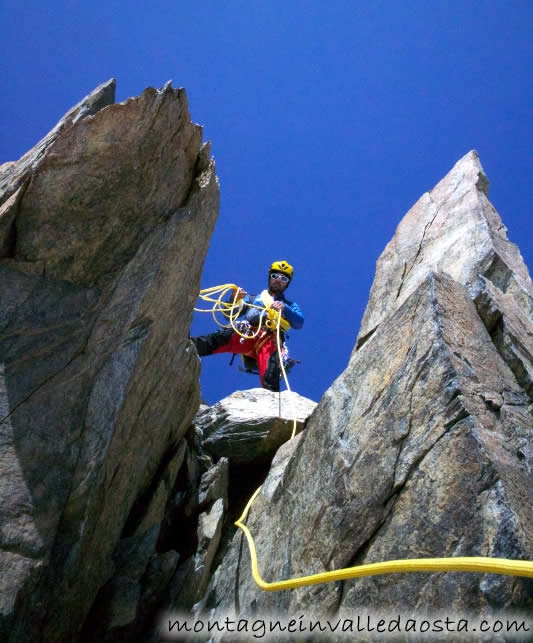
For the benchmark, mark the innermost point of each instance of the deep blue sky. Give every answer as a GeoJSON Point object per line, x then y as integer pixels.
{"type": "Point", "coordinates": [327, 122]}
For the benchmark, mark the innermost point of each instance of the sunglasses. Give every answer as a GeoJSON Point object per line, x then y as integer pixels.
{"type": "Point", "coordinates": [276, 275]}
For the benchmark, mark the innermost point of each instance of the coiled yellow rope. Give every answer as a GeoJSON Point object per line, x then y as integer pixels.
{"type": "Point", "coordinates": [230, 310]}
{"type": "Point", "coordinates": [477, 564]}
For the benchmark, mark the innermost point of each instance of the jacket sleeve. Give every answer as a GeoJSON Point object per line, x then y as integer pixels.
{"type": "Point", "coordinates": [253, 315]}
{"type": "Point", "coordinates": [293, 314]}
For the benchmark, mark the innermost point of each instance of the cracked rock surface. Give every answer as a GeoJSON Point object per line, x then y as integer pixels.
{"type": "Point", "coordinates": [452, 229]}
{"type": "Point", "coordinates": [422, 447]}
{"type": "Point", "coordinates": [249, 426]}
{"type": "Point", "coordinates": [104, 227]}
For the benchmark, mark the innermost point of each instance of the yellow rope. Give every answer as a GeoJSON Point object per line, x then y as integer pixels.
{"type": "Point", "coordinates": [477, 564]}
{"type": "Point", "coordinates": [459, 564]}
{"type": "Point", "coordinates": [231, 310]}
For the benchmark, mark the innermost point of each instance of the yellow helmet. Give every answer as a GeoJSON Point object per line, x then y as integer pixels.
{"type": "Point", "coordinates": [282, 266]}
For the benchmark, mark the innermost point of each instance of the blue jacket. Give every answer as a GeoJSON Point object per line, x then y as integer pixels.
{"type": "Point", "coordinates": [292, 312]}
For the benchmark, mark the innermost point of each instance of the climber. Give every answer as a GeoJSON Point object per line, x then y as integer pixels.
{"type": "Point", "coordinates": [262, 348]}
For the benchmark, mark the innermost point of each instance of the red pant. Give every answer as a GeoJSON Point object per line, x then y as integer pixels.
{"type": "Point", "coordinates": [259, 348]}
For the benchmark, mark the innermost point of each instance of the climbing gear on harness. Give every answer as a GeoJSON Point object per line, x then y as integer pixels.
{"type": "Point", "coordinates": [459, 564]}
{"type": "Point", "coordinates": [282, 266]}
{"type": "Point", "coordinates": [245, 328]}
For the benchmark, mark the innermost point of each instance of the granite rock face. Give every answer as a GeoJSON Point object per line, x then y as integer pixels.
{"type": "Point", "coordinates": [422, 447]}
{"type": "Point", "coordinates": [104, 227]}
{"type": "Point", "coordinates": [179, 536]}
{"type": "Point", "coordinates": [233, 445]}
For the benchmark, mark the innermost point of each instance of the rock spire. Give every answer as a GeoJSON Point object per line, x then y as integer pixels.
{"type": "Point", "coordinates": [422, 447]}
{"type": "Point", "coordinates": [104, 227]}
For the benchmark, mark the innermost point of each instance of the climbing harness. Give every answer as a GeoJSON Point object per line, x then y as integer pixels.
{"type": "Point", "coordinates": [477, 564]}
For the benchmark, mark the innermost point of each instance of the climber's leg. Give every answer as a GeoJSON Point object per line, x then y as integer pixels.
{"type": "Point", "coordinates": [269, 367]}
{"type": "Point", "coordinates": [208, 344]}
